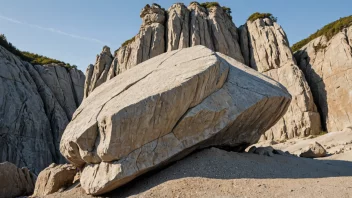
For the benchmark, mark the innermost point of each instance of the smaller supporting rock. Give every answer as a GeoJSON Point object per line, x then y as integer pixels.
{"type": "Point", "coordinates": [54, 178]}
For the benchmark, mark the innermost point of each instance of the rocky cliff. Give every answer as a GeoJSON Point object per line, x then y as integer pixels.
{"type": "Point", "coordinates": [178, 27]}
{"type": "Point", "coordinates": [327, 65]}
{"type": "Point", "coordinates": [36, 104]}
{"type": "Point", "coordinates": [261, 44]}
{"type": "Point", "coordinates": [266, 49]}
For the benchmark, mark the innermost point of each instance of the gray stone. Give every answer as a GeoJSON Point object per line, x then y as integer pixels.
{"type": "Point", "coordinates": [15, 181]}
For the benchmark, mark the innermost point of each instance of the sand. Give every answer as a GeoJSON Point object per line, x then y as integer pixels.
{"type": "Point", "coordinates": [218, 173]}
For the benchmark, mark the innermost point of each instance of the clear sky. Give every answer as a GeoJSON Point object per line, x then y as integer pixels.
{"type": "Point", "coordinates": [75, 31]}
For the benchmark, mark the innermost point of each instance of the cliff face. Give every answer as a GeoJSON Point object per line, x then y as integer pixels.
{"type": "Point", "coordinates": [36, 104]}
{"type": "Point", "coordinates": [261, 44]}
{"type": "Point", "coordinates": [266, 49]}
{"type": "Point", "coordinates": [327, 66]}
{"type": "Point", "coordinates": [179, 27]}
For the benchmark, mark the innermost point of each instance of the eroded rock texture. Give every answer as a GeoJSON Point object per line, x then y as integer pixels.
{"type": "Point", "coordinates": [179, 27]}
{"type": "Point", "coordinates": [327, 67]}
{"type": "Point", "coordinates": [134, 123]}
{"type": "Point", "coordinates": [266, 49]}
{"type": "Point", "coordinates": [15, 181]}
{"type": "Point", "coordinates": [54, 178]}
{"type": "Point", "coordinates": [36, 104]}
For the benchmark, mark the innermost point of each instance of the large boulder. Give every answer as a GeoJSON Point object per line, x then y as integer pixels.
{"type": "Point", "coordinates": [54, 178]}
{"type": "Point", "coordinates": [165, 108]}
{"type": "Point", "coordinates": [265, 48]}
{"type": "Point", "coordinates": [327, 66]}
{"type": "Point", "coordinates": [36, 104]}
{"type": "Point", "coordinates": [15, 181]}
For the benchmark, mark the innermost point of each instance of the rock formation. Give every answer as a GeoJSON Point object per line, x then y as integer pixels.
{"type": "Point", "coordinates": [36, 104]}
{"type": "Point", "coordinates": [15, 181]}
{"type": "Point", "coordinates": [327, 66]}
{"type": "Point", "coordinates": [133, 123]}
{"type": "Point", "coordinates": [54, 178]}
{"type": "Point", "coordinates": [266, 49]}
{"type": "Point", "coordinates": [179, 27]}
{"type": "Point", "coordinates": [261, 44]}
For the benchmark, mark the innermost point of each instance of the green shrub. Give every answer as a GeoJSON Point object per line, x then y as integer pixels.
{"type": "Point", "coordinates": [127, 42]}
{"type": "Point", "coordinates": [258, 15]}
{"type": "Point", "coordinates": [34, 59]}
{"type": "Point", "coordinates": [328, 31]}
{"type": "Point", "coordinates": [208, 5]}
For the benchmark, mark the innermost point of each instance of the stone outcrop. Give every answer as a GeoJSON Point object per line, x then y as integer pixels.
{"type": "Point", "coordinates": [261, 44]}
{"type": "Point", "coordinates": [15, 181]}
{"type": "Point", "coordinates": [266, 49]}
{"type": "Point", "coordinates": [54, 178]}
{"type": "Point", "coordinates": [36, 104]}
{"type": "Point", "coordinates": [327, 67]}
{"type": "Point", "coordinates": [134, 123]}
{"type": "Point", "coordinates": [179, 27]}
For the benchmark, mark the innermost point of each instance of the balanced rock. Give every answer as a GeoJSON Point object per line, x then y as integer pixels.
{"type": "Point", "coordinates": [266, 49]}
{"type": "Point", "coordinates": [165, 108]}
{"type": "Point", "coordinates": [313, 151]}
{"type": "Point", "coordinates": [36, 103]}
{"type": "Point", "coordinates": [54, 178]}
{"type": "Point", "coordinates": [327, 66]}
{"type": "Point", "coordinates": [15, 182]}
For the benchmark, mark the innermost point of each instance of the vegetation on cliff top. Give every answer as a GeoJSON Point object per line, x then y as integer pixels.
{"type": "Point", "coordinates": [258, 15]}
{"type": "Point", "coordinates": [329, 31]}
{"type": "Point", "coordinates": [214, 4]}
{"type": "Point", "coordinates": [34, 59]}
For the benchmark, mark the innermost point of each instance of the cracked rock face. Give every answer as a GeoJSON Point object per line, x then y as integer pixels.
{"type": "Point", "coordinates": [265, 48]}
{"type": "Point", "coordinates": [134, 123]}
{"type": "Point", "coordinates": [36, 104]}
{"type": "Point", "coordinates": [328, 72]}
{"type": "Point", "coordinates": [15, 182]}
{"type": "Point", "coordinates": [179, 27]}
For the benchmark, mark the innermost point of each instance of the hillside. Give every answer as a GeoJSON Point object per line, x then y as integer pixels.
{"type": "Point", "coordinates": [33, 58]}
{"type": "Point", "coordinates": [329, 31]}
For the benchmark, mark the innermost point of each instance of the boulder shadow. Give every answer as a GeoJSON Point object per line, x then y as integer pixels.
{"type": "Point", "coordinates": [213, 163]}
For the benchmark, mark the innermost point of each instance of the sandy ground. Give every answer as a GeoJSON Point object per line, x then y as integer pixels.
{"type": "Point", "coordinates": [218, 173]}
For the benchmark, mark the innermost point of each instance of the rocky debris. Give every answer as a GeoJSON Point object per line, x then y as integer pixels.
{"type": "Point", "coordinates": [179, 27]}
{"type": "Point", "coordinates": [267, 151]}
{"type": "Point", "coordinates": [133, 123]}
{"type": "Point", "coordinates": [36, 104]}
{"type": "Point", "coordinates": [265, 48]}
{"type": "Point", "coordinates": [15, 181]}
{"type": "Point", "coordinates": [313, 151]}
{"type": "Point", "coordinates": [54, 178]}
{"type": "Point", "coordinates": [327, 66]}
{"type": "Point", "coordinates": [335, 144]}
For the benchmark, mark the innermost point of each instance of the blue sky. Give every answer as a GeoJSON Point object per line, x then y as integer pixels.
{"type": "Point", "coordinates": [75, 31]}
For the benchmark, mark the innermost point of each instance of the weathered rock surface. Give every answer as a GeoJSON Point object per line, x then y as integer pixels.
{"type": "Point", "coordinates": [265, 48]}
{"type": "Point", "coordinates": [179, 27]}
{"type": "Point", "coordinates": [36, 104]}
{"type": "Point", "coordinates": [54, 178]}
{"type": "Point", "coordinates": [15, 181]}
{"type": "Point", "coordinates": [313, 151]}
{"type": "Point", "coordinates": [328, 69]}
{"type": "Point", "coordinates": [133, 123]}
